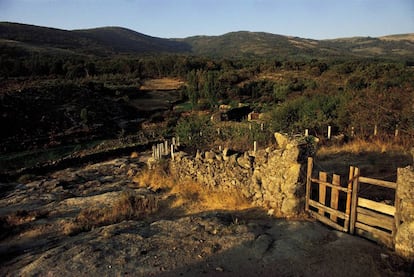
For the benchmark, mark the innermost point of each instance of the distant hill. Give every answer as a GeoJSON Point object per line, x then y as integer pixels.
{"type": "Point", "coordinates": [115, 40]}
{"type": "Point", "coordinates": [266, 44]}
{"type": "Point", "coordinates": [250, 44]}
{"type": "Point", "coordinates": [122, 40]}
{"type": "Point", "coordinates": [106, 40]}
{"type": "Point", "coordinates": [388, 46]}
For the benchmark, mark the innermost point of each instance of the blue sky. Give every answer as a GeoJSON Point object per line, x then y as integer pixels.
{"type": "Point", "coordinates": [318, 19]}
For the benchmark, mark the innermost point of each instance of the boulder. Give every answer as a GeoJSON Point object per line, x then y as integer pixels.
{"type": "Point", "coordinates": [210, 156]}
{"type": "Point", "coordinates": [404, 240]}
{"type": "Point", "coordinates": [290, 206]}
{"type": "Point", "coordinates": [281, 140]}
{"type": "Point", "coordinates": [405, 192]}
{"type": "Point", "coordinates": [244, 161]}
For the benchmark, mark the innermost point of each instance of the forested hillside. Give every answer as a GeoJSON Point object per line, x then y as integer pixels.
{"type": "Point", "coordinates": [298, 83]}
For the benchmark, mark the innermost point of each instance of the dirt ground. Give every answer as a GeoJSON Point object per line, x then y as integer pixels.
{"type": "Point", "coordinates": [37, 238]}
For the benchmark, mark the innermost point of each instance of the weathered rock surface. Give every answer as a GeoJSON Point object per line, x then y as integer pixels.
{"type": "Point", "coordinates": [205, 244]}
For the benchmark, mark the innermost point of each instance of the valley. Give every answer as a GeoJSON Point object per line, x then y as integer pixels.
{"type": "Point", "coordinates": [82, 193]}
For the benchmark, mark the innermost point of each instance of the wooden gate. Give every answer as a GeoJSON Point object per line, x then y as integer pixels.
{"type": "Point", "coordinates": [326, 208]}
{"type": "Point", "coordinates": [371, 219]}
{"type": "Point", "coordinates": [342, 208]}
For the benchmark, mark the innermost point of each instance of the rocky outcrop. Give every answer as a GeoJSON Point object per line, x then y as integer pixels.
{"type": "Point", "coordinates": [404, 239]}
{"type": "Point", "coordinates": [270, 177]}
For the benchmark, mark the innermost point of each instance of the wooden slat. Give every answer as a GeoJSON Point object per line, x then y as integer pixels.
{"type": "Point", "coordinates": [373, 234]}
{"type": "Point", "coordinates": [328, 184]}
{"type": "Point", "coordinates": [354, 201]}
{"type": "Point", "coordinates": [377, 182]}
{"type": "Point", "coordinates": [397, 216]}
{"type": "Point", "coordinates": [308, 182]}
{"type": "Point", "coordinates": [379, 207]}
{"type": "Point", "coordinates": [349, 195]}
{"type": "Point", "coordinates": [336, 180]}
{"type": "Point", "coordinates": [375, 219]}
{"type": "Point", "coordinates": [323, 176]}
{"type": "Point", "coordinates": [328, 222]}
{"type": "Point", "coordinates": [323, 208]}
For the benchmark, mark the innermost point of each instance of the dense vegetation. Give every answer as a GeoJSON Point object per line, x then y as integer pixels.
{"type": "Point", "coordinates": [353, 93]}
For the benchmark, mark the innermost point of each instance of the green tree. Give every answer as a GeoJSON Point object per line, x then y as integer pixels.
{"type": "Point", "coordinates": [194, 131]}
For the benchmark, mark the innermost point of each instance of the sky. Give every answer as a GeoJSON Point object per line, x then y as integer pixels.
{"type": "Point", "coordinates": [317, 19]}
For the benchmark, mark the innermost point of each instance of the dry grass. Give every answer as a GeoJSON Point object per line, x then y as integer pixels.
{"type": "Point", "coordinates": [18, 220]}
{"type": "Point", "coordinates": [162, 84]}
{"type": "Point", "coordinates": [191, 197]}
{"type": "Point", "coordinates": [357, 146]}
{"type": "Point", "coordinates": [129, 205]}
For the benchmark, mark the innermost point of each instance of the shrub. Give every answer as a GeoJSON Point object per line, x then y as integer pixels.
{"type": "Point", "coordinates": [194, 130]}
{"type": "Point", "coordinates": [240, 136]}
{"type": "Point", "coordinates": [314, 113]}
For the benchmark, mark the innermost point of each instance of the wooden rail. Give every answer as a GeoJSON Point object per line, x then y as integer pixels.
{"type": "Point", "coordinates": [376, 206]}
{"type": "Point", "coordinates": [326, 184]}
{"type": "Point", "coordinates": [376, 182]}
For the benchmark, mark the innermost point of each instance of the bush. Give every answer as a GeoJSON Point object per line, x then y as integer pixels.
{"type": "Point", "coordinates": [314, 113]}
{"type": "Point", "coordinates": [240, 136]}
{"type": "Point", "coordinates": [194, 130]}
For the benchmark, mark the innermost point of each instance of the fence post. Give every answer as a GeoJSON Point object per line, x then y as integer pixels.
{"type": "Point", "coordinates": [178, 141]}
{"type": "Point", "coordinates": [323, 176]}
{"type": "Point", "coordinates": [172, 152]}
{"type": "Point", "coordinates": [336, 180]}
{"type": "Point", "coordinates": [349, 196]}
{"type": "Point", "coordinates": [396, 131]}
{"type": "Point", "coordinates": [308, 182]}
{"type": "Point", "coordinates": [375, 130]}
{"type": "Point", "coordinates": [157, 152]}
{"type": "Point", "coordinates": [255, 147]}
{"type": "Point", "coordinates": [354, 201]}
{"type": "Point", "coordinates": [161, 150]}
{"type": "Point", "coordinates": [262, 126]}
{"type": "Point", "coordinates": [352, 132]}
{"type": "Point", "coordinates": [329, 132]}
{"type": "Point", "coordinates": [166, 147]}
{"type": "Point", "coordinates": [306, 132]}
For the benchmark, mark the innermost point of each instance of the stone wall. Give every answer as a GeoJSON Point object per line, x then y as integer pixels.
{"type": "Point", "coordinates": [404, 239]}
{"type": "Point", "coordinates": [270, 177]}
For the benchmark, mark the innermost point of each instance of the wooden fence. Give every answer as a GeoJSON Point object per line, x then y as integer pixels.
{"type": "Point", "coordinates": [351, 212]}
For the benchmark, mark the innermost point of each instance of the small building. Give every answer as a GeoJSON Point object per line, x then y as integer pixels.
{"type": "Point", "coordinates": [254, 116]}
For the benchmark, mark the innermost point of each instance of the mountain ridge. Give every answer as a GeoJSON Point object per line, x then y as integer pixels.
{"type": "Point", "coordinates": [119, 40]}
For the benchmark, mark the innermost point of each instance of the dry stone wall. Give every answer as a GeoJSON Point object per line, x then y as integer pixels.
{"type": "Point", "coordinates": [270, 177]}
{"type": "Point", "coordinates": [404, 239]}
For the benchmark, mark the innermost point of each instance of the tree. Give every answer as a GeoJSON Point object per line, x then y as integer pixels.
{"type": "Point", "coordinates": [192, 88]}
